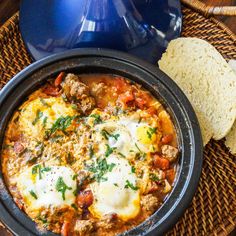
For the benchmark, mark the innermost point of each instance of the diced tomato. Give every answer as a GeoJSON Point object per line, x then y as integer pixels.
{"type": "Point", "coordinates": [170, 175]}
{"type": "Point", "coordinates": [18, 147]}
{"type": "Point", "coordinates": [167, 138]}
{"type": "Point", "coordinates": [140, 103]}
{"type": "Point", "coordinates": [151, 111]}
{"type": "Point", "coordinates": [65, 228]}
{"type": "Point", "coordinates": [161, 163]}
{"type": "Point", "coordinates": [51, 90]}
{"type": "Point", "coordinates": [141, 100]}
{"type": "Point", "coordinates": [85, 198]}
{"type": "Point", "coordinates": [120, 84]}
{"type": "Point", "coordinates": [126, 97]}
{"type": "Point", "coordinates": [59, 79]}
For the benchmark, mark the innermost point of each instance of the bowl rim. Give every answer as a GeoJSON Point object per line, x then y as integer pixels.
{"type": "Point", "coordinates": [194, 169]}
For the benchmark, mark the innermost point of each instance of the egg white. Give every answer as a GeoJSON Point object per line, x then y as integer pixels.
{"type": "Point", "coordinates": [105, 135]}
{"type": "Point", "coordinates": [127, 136]}
{"type": "Point", "coordinates": [113, 195]}
{"type": "Point", "coordinates": [139, 133]}
{"type": "Point", "coordinates": [51, 108]}
{"type": "Point", "coordinates": [44, 187]}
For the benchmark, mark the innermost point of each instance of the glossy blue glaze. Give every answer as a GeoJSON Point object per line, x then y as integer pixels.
{"type": "Point", "coordinates": [140, 27]}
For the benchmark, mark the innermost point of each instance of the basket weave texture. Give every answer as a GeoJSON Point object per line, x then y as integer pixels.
{"type": "Point", "coordinates": [213, 209]}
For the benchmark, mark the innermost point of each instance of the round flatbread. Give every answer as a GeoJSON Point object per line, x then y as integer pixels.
{"type": "Point", "coordinates": [208, 82]}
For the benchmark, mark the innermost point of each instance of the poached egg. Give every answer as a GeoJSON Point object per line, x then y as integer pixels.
{"type": "Point", "coordinates": [118, 193]}
{"type": "Point", "coordinates": [42, 187]}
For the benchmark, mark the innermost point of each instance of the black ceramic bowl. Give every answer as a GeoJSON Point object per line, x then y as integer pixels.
{"type": "Point", "coordinates": [151, 78]}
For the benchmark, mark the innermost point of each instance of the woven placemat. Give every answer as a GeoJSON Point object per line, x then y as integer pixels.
{"type": "Point", "coordinates": [213, 209]}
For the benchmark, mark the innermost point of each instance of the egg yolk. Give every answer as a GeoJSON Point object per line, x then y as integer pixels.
{"type": "Point", "coordinates": [146, 134]}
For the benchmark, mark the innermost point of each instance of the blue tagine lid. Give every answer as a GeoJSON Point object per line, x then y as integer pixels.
{"type": "Point", "coordinates": [140, 27]}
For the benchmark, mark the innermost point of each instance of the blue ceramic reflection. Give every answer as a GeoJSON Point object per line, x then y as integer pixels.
{"type": "Point", "coordinates": [140, 27]}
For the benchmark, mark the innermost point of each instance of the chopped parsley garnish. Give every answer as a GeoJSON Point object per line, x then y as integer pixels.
{"type": "Point", "coordinates": [150, 132]}
{"type": "Point", "coordinates": [153, 177]}
{"type": "Point", "coordinates": [74, 206]}
{"type": "Point", "coordinates": [100, 169]}
{"type": "Point", "coordinates": [141, 154]}
{"type": "Point", "coordinates": [46, 169]}
{"type": "Point", "coordinates": [75, 192]}
{"type": "Point", "coordinates": [74, 106]}
{"type": "Point", "coordinates": [44, 103]}
{"type": "Point", "coordinates": [130, 185]}
{"type": "Point", "coordinates": [75, 176]}
{"type": "Point", "coordinates": [62, 123]}
{"type": "Point", "coordinates": [121, 154]}
{"type": "Point", "coordinates": [106, 135]}
{"type": "Point", "coordinates": [62, 187]}
{"type": "Point", "coordinates": [37, 170]}
{"type": "Point", "coordinates": [33, 194]}
{"type": "Point", "coordinates": [115, 136]}
{"type": "Point", "coordinates": [133, 169]}
{"type": "Point", "coordinates": [109, 150]}
{"type": "Point", "coordinates": [116, 184]}
{"type": "Point", "coordinates": [136, 145]}
{"type": "Point", "coordinates": [111, 166]}
{"type": "Point", "coordinates": [39, 114]}
{"type": "Point", "coordinates": [42, 218]}
{"type": "Point", "coordinates": [45, 121]}
{"type": "Point", "coordinates": [97, 119]}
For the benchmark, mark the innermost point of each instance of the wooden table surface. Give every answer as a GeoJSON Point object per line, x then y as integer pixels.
{"type": "Point", "coordinates": [9, 7]}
